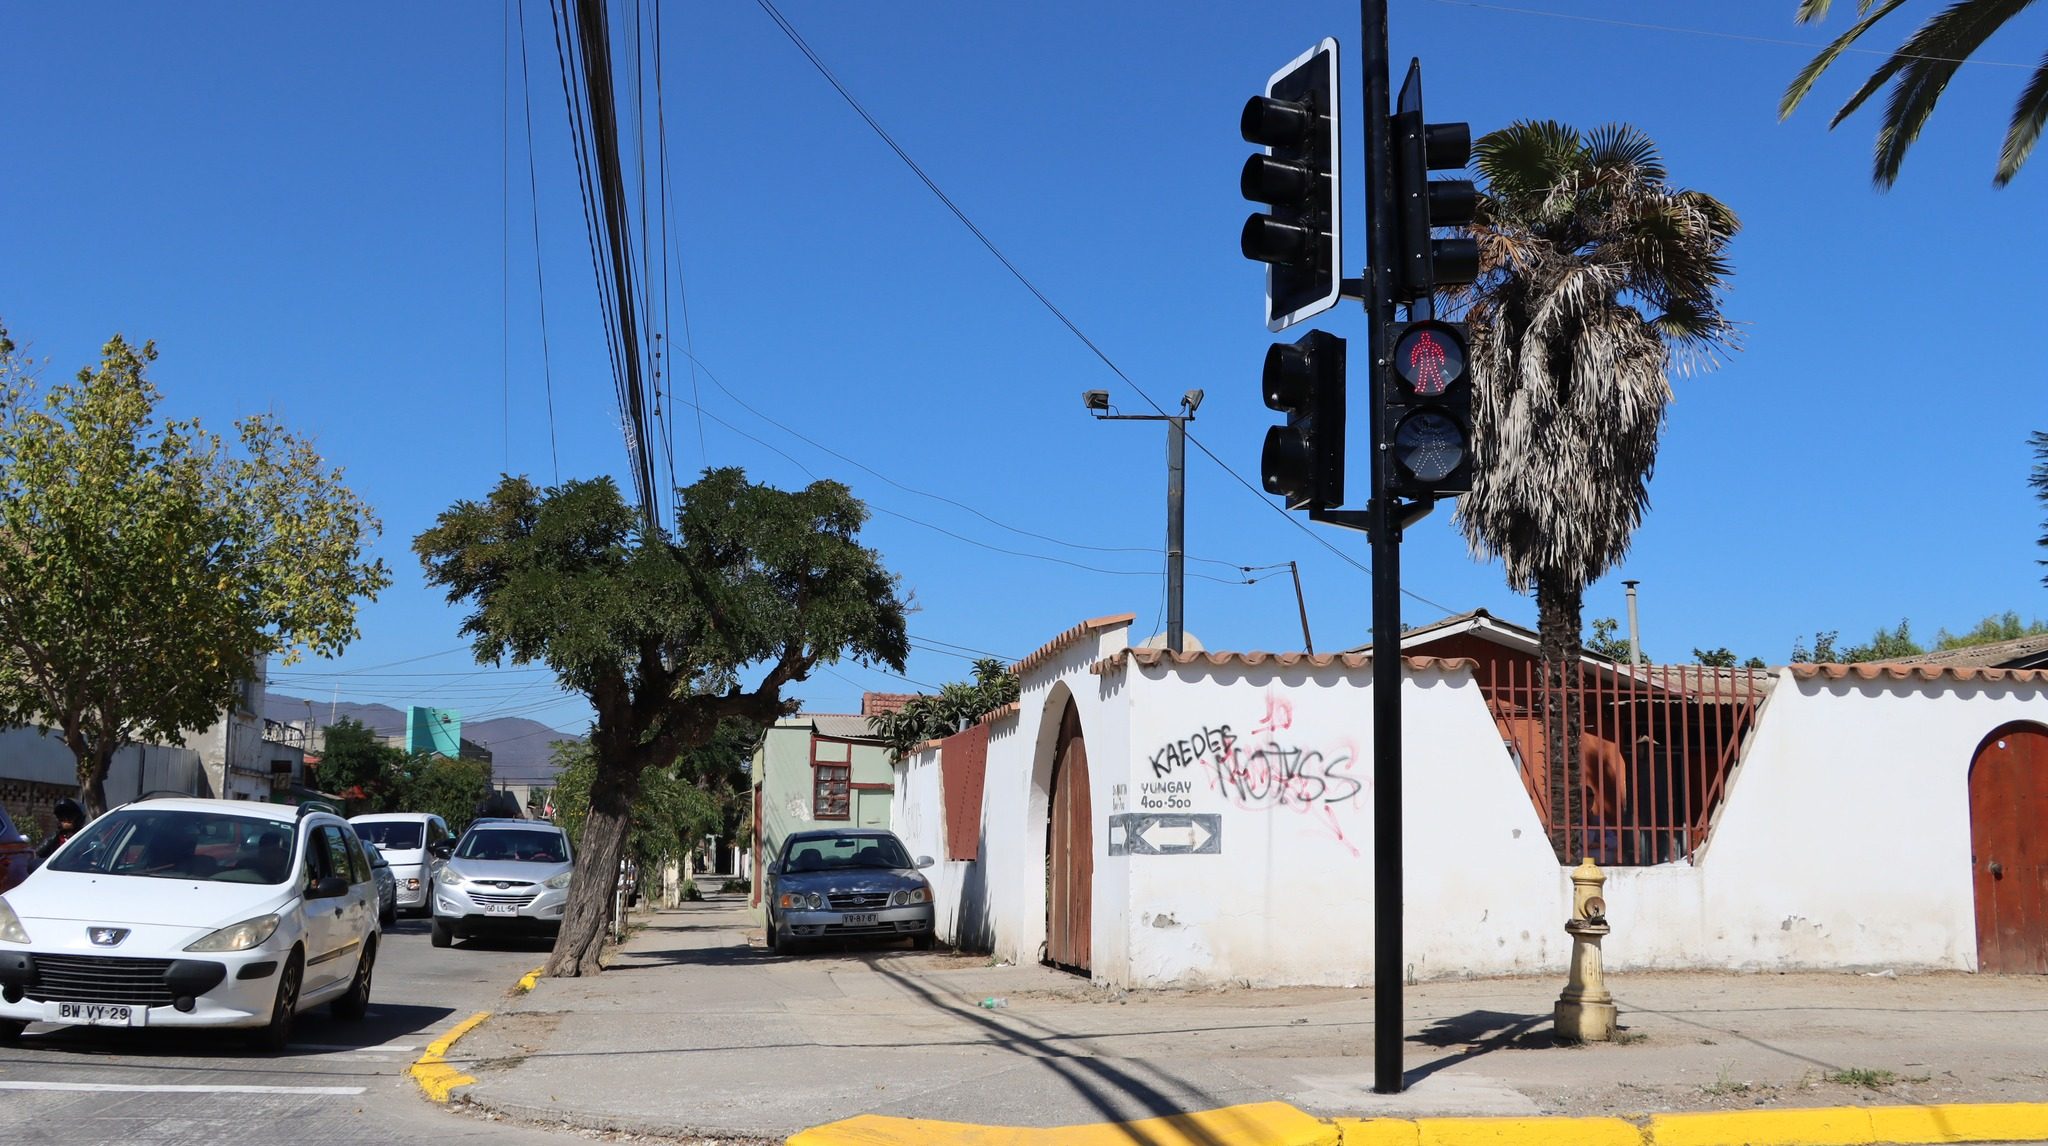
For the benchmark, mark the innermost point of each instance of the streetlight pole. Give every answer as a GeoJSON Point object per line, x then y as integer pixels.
{"type": "Point", "coordinates": [1097, 402]}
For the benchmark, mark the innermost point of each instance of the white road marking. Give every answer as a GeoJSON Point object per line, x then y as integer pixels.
{"type": "Point", "coordinates": [150, 1088]}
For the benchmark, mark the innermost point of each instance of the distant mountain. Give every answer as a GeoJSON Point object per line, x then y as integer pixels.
{"type": "Point", "coordinates": [520, 748]}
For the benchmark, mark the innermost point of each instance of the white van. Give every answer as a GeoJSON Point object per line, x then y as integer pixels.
{"type": "Point", "coordinates": [404, 838]}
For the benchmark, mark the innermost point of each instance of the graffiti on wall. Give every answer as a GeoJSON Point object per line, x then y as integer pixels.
{"type": "Point", "coordinates": [1270, 768]}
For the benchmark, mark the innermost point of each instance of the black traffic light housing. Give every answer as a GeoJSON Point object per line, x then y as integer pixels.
{"type": "Point", "coordinates": [1425, 419]}
{"type": "Point", "coordinates": [1301, 238]}
{"type": "Point", "coordinates": [1304, 460]}
{"type": "Point", "coordinates": [1423, 264]}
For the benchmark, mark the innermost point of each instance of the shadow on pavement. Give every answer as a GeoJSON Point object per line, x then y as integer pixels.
{"type": "Point", "coordinates": [1097, 1081]}
{"type": "Point", "coordinates": [315, 1035]}
{"type": "Point", "coordinates": [1479, 1032]}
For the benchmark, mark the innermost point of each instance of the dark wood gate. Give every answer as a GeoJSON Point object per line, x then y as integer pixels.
{"type": "Point", "coordinates": [2009, 860]}
{"type": "Point", "coordinates": [1069, 851]}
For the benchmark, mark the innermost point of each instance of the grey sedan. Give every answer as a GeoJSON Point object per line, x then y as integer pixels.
{"type": "Point", "coordinates": [387, 885]}
{"type": "Point", "coordinates": [858, 883]}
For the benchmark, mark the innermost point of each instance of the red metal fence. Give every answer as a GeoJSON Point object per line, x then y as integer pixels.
{"type": "Point", "coordinates": [1656, 744]}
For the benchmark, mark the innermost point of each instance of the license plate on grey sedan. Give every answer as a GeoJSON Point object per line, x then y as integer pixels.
{"type": "Point", "coordinates": [858, 919]}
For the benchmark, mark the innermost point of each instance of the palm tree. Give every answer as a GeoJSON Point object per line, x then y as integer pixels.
{"type": "Point", "coordinates": [1918, 71]}
{"type": "Point", "coordinates": [1597, 277]}
{"type": "Point", "coordinates": [2039, 480]}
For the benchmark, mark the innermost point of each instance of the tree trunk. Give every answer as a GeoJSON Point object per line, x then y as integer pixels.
{"type": "Point", "coordinates": [589, 909]}
{"type": "Point", "coordinates": [93, 762]}
{"type": "Point", "coordinates": [1557, 631]}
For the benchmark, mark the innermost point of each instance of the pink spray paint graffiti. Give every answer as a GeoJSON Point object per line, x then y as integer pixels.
{"type": "Point", "coordinates": [1269, 769]}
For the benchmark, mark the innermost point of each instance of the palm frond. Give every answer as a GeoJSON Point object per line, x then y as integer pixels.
{"type": "Point", "coordinates": [2025, 130]}
{"type": "Point", "coordinates": [1525, 158]}
{"type": "Point", "coordinates": [1931, 58]}
{"type": "Point", "coordinates": [1620, 146]}
{"type": "Point", "coordinates": [1804, 81]}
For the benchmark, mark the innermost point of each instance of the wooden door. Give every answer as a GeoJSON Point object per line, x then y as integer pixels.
{"type": "Point", "coordinates": [2009, 861]}
{"type": "Point", "coordinates": [1070, 851]}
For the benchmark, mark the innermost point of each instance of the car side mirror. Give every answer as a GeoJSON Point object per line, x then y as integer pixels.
{"type": "Point", "coordinates": [440, 849]}
{"type": "Point", "coordinates": [924, 862]}
{"type": "Point", "coordinates": [328, 887]}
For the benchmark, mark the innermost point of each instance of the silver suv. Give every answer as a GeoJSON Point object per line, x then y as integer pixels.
{"type": "Point", "coordinates": [503, 877]}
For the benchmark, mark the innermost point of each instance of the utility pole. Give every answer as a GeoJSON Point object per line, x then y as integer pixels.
{"type": "Point", "coordinates": [1097, 402]}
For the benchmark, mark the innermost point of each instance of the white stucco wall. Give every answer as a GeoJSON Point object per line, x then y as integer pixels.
{"type": "Point", "coordinates": [1843, 841]}
{"type": "Point", "coordinates": [1289, 897]}
{"type": "Point", "coordinates": [919, 816]}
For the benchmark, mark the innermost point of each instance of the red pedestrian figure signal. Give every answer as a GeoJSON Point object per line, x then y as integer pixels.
{"type": "Point", "coordinates": [1428, 360]}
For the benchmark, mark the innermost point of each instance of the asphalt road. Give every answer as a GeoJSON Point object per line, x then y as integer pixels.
{"type": "Point", "coordinates": [339, 1081]}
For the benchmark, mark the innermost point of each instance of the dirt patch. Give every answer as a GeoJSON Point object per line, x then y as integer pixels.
{"type": "Point", "coordinates": [504, 1040]}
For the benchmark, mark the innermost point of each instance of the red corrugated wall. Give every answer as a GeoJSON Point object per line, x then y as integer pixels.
{"type": "Point", "coordinates": [963, 758]}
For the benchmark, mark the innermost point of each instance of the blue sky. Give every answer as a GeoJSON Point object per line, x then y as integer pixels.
{"type": "Point", "coordinates": [324, 212]}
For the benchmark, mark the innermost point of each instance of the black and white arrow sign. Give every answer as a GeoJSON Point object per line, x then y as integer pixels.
{"type": "Point", "coordinates": [1157, 834]}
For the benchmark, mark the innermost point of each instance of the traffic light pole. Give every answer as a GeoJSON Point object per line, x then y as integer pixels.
{"type": "Point", "coordinates": [1384, 526]}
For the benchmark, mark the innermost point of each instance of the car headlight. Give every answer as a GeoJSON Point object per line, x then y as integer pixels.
{"type": "Point", "coordinates": [239, 936]}
{"type": "Point", "coordinates": [559, 882]}
{"type": "Point", "coordinates": [917, 895]}
{"type": "Point", "coordinates": [11, 929]}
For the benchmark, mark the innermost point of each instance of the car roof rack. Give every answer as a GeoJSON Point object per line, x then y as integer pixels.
{"type": "Point", "coordinates": [165, 794]}
{"type": "Point", "coordinates": [506, 820]}
{"type": "Point", "coordinates": [327, 806]}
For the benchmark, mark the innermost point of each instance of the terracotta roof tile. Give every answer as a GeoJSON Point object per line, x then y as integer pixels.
{"type": "Point", "coordinates": [1996, 653]}
{"type": "Point", "coordinates": [1150, 658]}
{"type": "Point", "coordinates": [1068, 639]}
{"type": "Point", "coordinates": [879, 703]}
{"type": "Point", "coordinates": [1892, 671]}
{"type": "Point", "coordinates": [1004, 713]}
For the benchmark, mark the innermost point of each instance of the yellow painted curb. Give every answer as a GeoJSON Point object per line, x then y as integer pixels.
{"type": "Point", "coordinates": [1258, 1124]}
{"type": "Point", "coordinates": [1489, 1132]}
{"type": "Point", "coordinates": [435, 1077]}
{"type": "Point", "coordinates": [1856, 1125]}
{"type": "Point", "coordinates": [527, 981]}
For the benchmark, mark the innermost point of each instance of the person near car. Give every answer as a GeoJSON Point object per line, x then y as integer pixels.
{"type": "Point", "coordinates": [70, 818]}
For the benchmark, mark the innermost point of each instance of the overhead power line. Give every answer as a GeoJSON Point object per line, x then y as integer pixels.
{"type": "Point", "coordinates": [796, 38]}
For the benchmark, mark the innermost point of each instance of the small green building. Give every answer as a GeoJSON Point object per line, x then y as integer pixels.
{"type": "Point", "coordinates": [817, 770]}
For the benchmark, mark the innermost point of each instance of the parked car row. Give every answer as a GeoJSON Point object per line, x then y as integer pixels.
{"type": "Point", "coordinates": [180, 912]}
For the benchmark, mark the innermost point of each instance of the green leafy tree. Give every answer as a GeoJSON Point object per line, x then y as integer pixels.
{"type": "Point", "coordinates": [957, 705]}
{"type": "Point", "coordinates": [661, 633]}
{"type": "Point", "coordinates": [1885, 645]}
{"type": "Point", "coordinates": [1918, 72]}
{"type": "Point", "coordinates": [1605, 643]}
{"type": "Point", "coordinates": [357, 766]}
{"type": "Point", "coordinates": [2006, 626]}
{"type": "Point", "coordinates": [146, 565]}
{"type": "Point", "coordinates": [447, 787]}
{"type": "Point", "coordinates": [1821, 652]}
{"type": "Point", "coordinates": [1594, 273]}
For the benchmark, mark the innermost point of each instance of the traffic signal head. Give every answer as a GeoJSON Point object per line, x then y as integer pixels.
{"type": "Point", "coordinates": [1425, 419]}
{"type": "Point", "coordinates": [1299, 237]}
{"type": "Point", "coordinates": [1304, 460]}
{"type": "Point", "coordinates": [1424, 264]}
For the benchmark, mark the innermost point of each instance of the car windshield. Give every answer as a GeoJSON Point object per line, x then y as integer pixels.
{"type": "Point", "coordinates": [166, 844]}
{"type": "Point", "coordinates": [398, 835]}
{"type": "Point", "coordinates": [527, 844]}
{"type": "Point", "coordinates": [837, 853]}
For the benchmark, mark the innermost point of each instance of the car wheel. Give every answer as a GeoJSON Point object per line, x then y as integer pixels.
{"type": "Point", "coordinates": [389, 916]}
{"type": "Point", "coordinates": [924, 942]}
{"type": "Point", "coordinates": [443, 934]}
{"type": "Point", "coordinates": [356, 1003]}
{"type": "Point", "coordinates": [275, 1035]}
{"type": "Point", "coordinates": [768, 933]}
{"type": "Point", "coordinates": [10, 1031]}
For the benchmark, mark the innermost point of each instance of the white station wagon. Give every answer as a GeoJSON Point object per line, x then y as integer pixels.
{"type": "Point", "coordinates": [192, 913]}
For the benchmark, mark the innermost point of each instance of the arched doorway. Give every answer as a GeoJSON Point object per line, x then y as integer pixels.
{"type": "Point", "coordinates": [2009, 852]}
{"type": "Point", "coordinates": [1069, 851]}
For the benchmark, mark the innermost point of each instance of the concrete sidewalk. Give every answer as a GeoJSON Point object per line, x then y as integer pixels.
{"type": "Point", "coordinates": [696, 1029]}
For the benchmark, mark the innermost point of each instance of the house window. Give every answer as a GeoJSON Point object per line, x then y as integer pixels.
{"type": "Point", "coordinates": [829, 794]}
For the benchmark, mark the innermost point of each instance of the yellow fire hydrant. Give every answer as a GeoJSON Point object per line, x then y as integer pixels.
{"type": "Point", "coordinates": [1585, 1011]}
